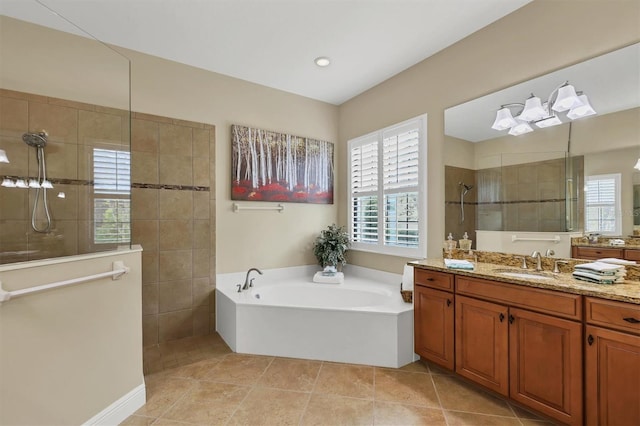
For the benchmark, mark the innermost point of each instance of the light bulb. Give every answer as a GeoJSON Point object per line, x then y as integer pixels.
{"type": "Point", "coordinates": [33, 183]}
{"type": "Point", "coordinates": [20, 183]}
{"type": "Point", "coordinates": [46, 184]}
{"type": "Point", "coordinates": [8, 183]}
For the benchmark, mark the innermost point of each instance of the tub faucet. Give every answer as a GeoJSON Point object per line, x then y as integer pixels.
{"type": "Point", "coordinates": [536, 255]}
{"type": "Point", "coordinates": [248, 283]}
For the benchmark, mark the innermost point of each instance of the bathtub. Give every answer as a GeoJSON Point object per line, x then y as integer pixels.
{"type": "Point", "coordinates": [362, 321]}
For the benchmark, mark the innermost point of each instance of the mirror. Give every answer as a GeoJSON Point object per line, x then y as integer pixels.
{"type": "Point", "coordinates": [533, 183]}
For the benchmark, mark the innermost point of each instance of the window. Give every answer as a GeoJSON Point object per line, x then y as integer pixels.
{"type": "Point", "coordinates": [111, 201]}
{"type": "Point", "coordinates": [386, 187]}
{"type": "Point", "coordinates": [602, 204]}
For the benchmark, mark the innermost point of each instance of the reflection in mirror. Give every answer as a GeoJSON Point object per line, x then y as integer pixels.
{"type": "Point", "coordinates": [535, 182]}
{"type": "Point", "coordinates": [636, 204]}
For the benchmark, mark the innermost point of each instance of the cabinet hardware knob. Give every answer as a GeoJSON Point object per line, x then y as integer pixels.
{"type": "Point", "coordinates": [590, 340]}
{"type": "Point", "coordinates": [631, 320]}
{"type": "Point", "coordinates": [511, 319]}
{"type": "Point", "coordinates": [501, 317]}
{"type": "Point", "coordinates": [448, 302]}
{"type": "Point", "coordinates": [430, 279]}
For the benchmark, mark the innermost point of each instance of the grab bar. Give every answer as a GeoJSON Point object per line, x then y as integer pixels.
{"type": "Point", "coordinates": [237, 207]}
{"type": "Point", "coordinates": [555, 239]}
{"type": "Point", "coordinates": [118, 271]}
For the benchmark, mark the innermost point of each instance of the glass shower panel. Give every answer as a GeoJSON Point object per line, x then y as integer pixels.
{"type": "Point", "coordinates": [65, 128]}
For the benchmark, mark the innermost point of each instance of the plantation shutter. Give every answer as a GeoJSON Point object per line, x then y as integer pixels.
{"type": "Point", "coordinates": [602, 204]}
{"type": "Point", "coordinates": [112, 189]}
{"type": "Point", "coordinates": [364, 191]}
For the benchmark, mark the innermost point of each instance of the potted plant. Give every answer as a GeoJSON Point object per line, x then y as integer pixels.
{"type": "Point", "coordinates": [330, 247]}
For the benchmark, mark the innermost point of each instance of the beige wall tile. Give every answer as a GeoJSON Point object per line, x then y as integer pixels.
{"type": "Point", "coordinates": [201, 321]}
{"type": "Point", "coordinates": [61, 208]}
{"type": "Point", "coordinates": [201, 143]}
{"type": "Point", "coordinates": [144, 203]}
{"type": "Point", "coordinates": [174, 295]}
{"type": "Point", "coordinates": [14, 117]}
{"type": "Point", "coordinates": [145, 233]}
{"type": "Point", "coordinates": [150, 269]}
{"type": "Point", "coordinates": [177, 234]}
{"type": "Point", "coordinates": [96, 128]}
{"type": "Point", "coordinates": [201, 172]}
{"type": "Point", "coordinates": [150, 299]}
{"type": "Point", "coordinates": [175, 140]}
{"type": "Point", "coordinates": [14, 235]}
{"type": "Point", "coordinates": [18, 154]}
{"type": "Point", "coordinates": [61, 160]}
{"type": "Point", "coordinates": [175, 325]}
{"type": "Point", "coordinates": [149, 330]}
{"type": "Point", "coordinates": [175, 265]}
{"type": "Point", "coordinates": [201, 234]}
{"type": "Point", "coordinates": [201, 292]}
{"type": "Point", "coordinates": [61, 123]}
{"type": "Point", "coordinates": [201, 205]}
{"type": "Point", "coordinates": [144, 135]}
{"type": "Point", "coordinates": [13, 204]}
{"type": "Point", "coordinates": [144, 167]}
{"type": "Point", "coordinates": [175, 170]}
{"type": "Point", "coordinates": [175, 204]}
{"type": "Point", "coordinates": [201, 263]}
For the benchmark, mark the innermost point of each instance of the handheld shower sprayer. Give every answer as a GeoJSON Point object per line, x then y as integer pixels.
{"type": "Point", "coordinates": [464, 188]}
{"type": "Point", "coordinates": [38, 140]}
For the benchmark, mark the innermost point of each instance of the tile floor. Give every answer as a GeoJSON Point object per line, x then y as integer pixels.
{"type": "Point", "coordinates": [200, 381]}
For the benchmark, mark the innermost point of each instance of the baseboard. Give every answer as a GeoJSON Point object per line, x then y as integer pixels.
{"type": "Point", "coordinates": [125, 406]}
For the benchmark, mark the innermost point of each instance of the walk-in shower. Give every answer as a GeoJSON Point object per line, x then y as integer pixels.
{"type": "Point", "coordinates": [464, 188]}
{"type": "Point", "coordinates": [38, 140]}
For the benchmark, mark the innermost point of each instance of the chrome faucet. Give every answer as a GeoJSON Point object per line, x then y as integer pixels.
{"type": "Point", "coordinates": [536, 255]}
{"type": "Point", "coordinates": [248, 283]}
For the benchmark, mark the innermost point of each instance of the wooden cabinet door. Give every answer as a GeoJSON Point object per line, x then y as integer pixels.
{"type": "Point", "coordinates": [546, 364]}
{"type": "Point", "coordinates": [482, 333]}
{"type": "Point", "coordinates": [433, 325]}
{"type": "Point", "coordinates": [612, 375]}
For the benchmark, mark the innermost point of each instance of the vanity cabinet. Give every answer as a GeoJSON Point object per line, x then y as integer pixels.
{"type": "Point", "coordinates": [632, 254]}
{"type": "Point", "coordinates": [612, 362]}
{"type": "Point", "coordinates": [433, 317]}
{"type": "Point", "coordinates": [594, 253]}
{"type": "Point", "coordinates": [523, 343]}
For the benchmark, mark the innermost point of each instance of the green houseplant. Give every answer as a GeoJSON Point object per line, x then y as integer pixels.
{"type": "Point", "coordinates": [331, 245]}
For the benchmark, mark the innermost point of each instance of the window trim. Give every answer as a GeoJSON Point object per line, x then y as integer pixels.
{"type": "Point", "coordinates": [378, 136]}
{"type": "Point", "coordinates": [617, 178]}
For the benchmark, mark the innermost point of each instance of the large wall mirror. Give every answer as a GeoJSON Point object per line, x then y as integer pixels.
{"type": "Point", "coordinates": [533, 185]}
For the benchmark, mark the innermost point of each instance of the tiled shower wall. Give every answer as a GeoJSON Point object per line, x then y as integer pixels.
{"type": "Point", "coordinates": [173, 218]}
{"type": "Point", "coordinates": [172, 200]}
{"type": "Point", "coordinates": [527, 197]}
{"type": "Point", "coordinates": [453, 211]}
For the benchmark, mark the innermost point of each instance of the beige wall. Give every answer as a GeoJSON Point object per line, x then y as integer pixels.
{"type": "Point", "coordinates": [262, 239]}
{"type": "Point", "coordinates": [498, 56]}
{"type": "Point", "coordinates": [69, 353]}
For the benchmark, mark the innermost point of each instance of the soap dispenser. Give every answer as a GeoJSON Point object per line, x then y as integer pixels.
{"type": "Point", "coordinates": [465, 242]}
{"type": "Point", "coordinates": [450, 244]}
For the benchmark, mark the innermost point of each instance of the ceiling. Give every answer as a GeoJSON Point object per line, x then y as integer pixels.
{"type": "Point", "coordinates": [274, 42]}
{"type": "Point", "coordinates": [610, 81]}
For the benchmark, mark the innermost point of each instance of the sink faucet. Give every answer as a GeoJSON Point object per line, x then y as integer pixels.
{"type": "Point", "coordinates": [536, 255]}
{"type": "Point", "coordinates": [248, 283]}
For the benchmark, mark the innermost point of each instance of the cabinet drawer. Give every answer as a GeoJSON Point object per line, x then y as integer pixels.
{"type": "Point", "coordinates": [617, 315]}
{"type": "Point", "coordinates": [597, 252]}
{"type": "Point", "coordinates": [545, 301]}
{"type": "Point", "coordinates": [632, 254]}
{"type": "Point", "coordinates": [439, 280]}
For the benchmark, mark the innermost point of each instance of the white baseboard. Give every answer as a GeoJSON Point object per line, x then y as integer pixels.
{"type": "Point", "coordinates": [125, 406]}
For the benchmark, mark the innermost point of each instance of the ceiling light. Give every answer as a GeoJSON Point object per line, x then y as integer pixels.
{"type": "Point", "coordinates": [3, 156]}
{"type": "Point", "coordinates": [8, 183]}
{"type": "Point", "coordinates": [637, 166]}
{"type": "Point", "coordinates": [33, 183]}
{"type": "Point", "coordinates": [46, 184]}
{"type": "Point", "coordinates": [322, 61]}
{"type": "Point", "coordinates": [504, 119]}
{"type": "Point", "coordinates": [20, 183]}
{"type": "Point", "coordinates": [533, 111]}
{"type": "Point", "coordinates": [583, 110]}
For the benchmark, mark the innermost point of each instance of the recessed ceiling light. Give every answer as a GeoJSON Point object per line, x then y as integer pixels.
{"type": "Point", "coordinates": [322, 61]}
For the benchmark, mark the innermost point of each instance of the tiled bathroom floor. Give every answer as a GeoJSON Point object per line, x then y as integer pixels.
{"type": "Point", "coordinates": [200, 381]}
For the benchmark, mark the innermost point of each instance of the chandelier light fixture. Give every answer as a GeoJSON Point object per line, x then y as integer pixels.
{"type": "Point", "coordinates": [534, 112]}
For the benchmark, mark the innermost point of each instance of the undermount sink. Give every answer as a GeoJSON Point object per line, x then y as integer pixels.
{"type": "Point", "coordinates": [515, 273]}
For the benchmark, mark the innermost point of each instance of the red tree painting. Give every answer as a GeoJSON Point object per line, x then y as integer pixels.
{"type": "Point", "coordinates": [270, 166]}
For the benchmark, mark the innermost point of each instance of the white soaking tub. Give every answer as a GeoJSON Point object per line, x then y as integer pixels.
{"type": "Point", "coordinates": [362, 321]}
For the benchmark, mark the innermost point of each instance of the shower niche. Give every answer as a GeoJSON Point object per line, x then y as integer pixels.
{"type": "Point", "coordinates": [65, 136]}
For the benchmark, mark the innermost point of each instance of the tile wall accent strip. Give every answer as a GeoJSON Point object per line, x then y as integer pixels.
{"type": "Point", "coordinates": [484, 203]}
{"type": "Point", "coordinates": [80, 182]}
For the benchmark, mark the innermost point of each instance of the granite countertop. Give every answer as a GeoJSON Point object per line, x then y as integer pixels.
{"type": "Point", "coordinates": [603, 242]}
{"type": "Point", "coordinates": [628, 291]}
{"type": "Point", "coordinates": [607, 245]}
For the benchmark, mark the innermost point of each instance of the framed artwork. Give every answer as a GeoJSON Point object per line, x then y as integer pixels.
{"type": "Point", "coordinates": [271, 166]}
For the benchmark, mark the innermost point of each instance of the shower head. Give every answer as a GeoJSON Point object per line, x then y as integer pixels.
{"type": "Point", "coordinates": [38, 140]}
{"type": "Point", "coordinates": [466, 187]}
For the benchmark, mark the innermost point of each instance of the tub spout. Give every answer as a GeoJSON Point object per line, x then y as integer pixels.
{"type": "Point", "coordinates": [248, 283]}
